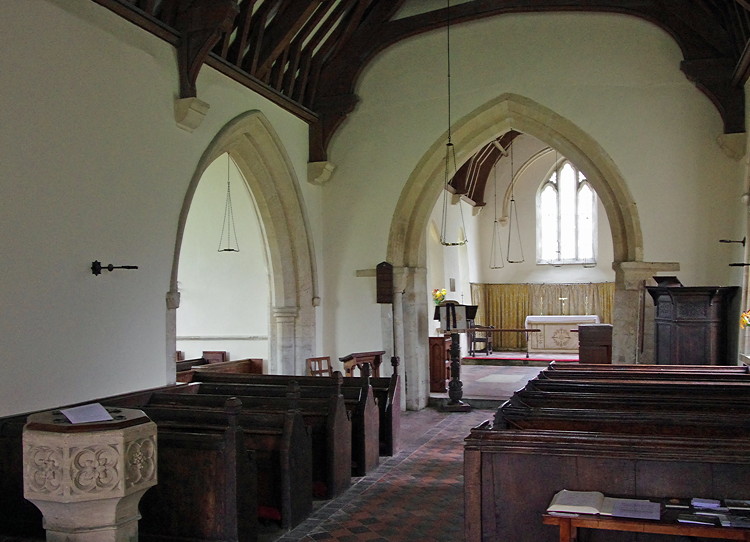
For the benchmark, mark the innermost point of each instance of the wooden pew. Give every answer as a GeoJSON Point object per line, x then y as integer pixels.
{"type": "Point", "coordinates": [359, 401]}
{"type": "Point", "coordinates": [282, 449]}
{"type": "Point", "coordinates": [572, 366]}
{"type": "Point", "coordinates": [645, 374]}
{"type": "Point", "coordinates": [512, 472]}
{"type": "Point", "coordinates": [199, 472]}
{"type": "Point", "coordinates": [613, 386]}
{"type": "Point", "coordinates": [247, 365]}
{"type": "Point", "coordinates": [387, 392]}
{"type": "Point", "coordinates": [207, 485]}
{"type": "Point", "coordinates": [634, 401]}
{"type": "Point", "coordinates": [326, 417]}
{"type": "Point", "coordinates": [19, 517]}
{"type": "Point", "coordinates": [184, 368]}
{"type": "Point", "coordinates": [664, 421]}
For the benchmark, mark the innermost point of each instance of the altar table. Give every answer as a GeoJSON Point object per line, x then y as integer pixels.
{"type": "Point", "coordinates": [558, 335]}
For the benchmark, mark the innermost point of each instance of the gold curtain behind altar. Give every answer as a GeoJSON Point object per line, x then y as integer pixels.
{"type": "Point", "coordinates": [506, 306]}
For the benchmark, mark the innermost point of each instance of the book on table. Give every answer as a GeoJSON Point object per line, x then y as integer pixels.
{"type": "Point", "coordinates": [737, 504]}
{"type": "Point", "coordinates": [595, 502]}
{"type": "Point", "coordinates": [699, 519]}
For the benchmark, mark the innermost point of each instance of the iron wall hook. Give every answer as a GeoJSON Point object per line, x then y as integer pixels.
{"type": "Point", "coordinates": [97, 267]}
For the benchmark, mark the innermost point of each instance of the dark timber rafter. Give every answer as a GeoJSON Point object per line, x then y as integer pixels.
{"type": "Point", "coordinates": [307, 55]}
{"type": "Point", "coordinates": [706, 46]}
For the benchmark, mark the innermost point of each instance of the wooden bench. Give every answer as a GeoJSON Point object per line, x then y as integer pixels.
{"type": "Point", "coordinates": [669, 411]}
{"type": "Point", "coordinates": [184, 369]}
{"type": "Point", "coordinates": [207, 485]}
{"type": "Point", "coordinates": [360, 403]}
{"type": "Point", "coordinates": [644, 374]}
{"type": "Point", "coordinates": [633, 401]}
{"type": "Point", "coordinates": [511, 473]}
{"type": "Point", "coordinates": [282, 449]}
{"type": "Point", "coordinates": [326, 417]}
{"type": "Point", "coordinates": [624, 368]}
{"type": "Point", "coordinates": [387, 392]}
{"type": "Point", "coordinates": [247, 365]}
{"type": "Point", "coordinates": [20, 517]}
{"type": "Point", "coordinates": [200, 472]}
{"type": "Point", "coordinates": [614, 386]}
{"type": "Point", "coordinates": [665, 421]}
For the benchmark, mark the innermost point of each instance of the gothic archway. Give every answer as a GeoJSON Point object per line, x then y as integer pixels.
{"type": "Point", "coordinates": [406, 245]}
{"type": "Point", "coordinates": [259, 154]}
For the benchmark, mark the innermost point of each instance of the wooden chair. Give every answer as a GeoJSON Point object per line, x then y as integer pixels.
{"type": "Point", "coordinates": [479, 337]}
{"type": "Point", "coordinates": [319, 366]}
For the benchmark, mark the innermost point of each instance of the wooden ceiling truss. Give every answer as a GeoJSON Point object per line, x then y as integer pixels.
{"type": "Point", "coordinates": [306, 56]}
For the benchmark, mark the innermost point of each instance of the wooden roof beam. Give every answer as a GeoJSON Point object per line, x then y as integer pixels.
{"type": "Point", "coordinates": [282, 29]}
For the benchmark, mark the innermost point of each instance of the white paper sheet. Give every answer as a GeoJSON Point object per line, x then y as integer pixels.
{"type": "Point", "coordinates": [94, 412]}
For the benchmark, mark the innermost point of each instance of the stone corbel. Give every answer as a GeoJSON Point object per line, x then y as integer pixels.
{"type": "Point", "coordinates": [733, 145]}
{"type": "Point", "coordinates": [189, 113]}
{"type": "Point", "coordinates": [319, 173]}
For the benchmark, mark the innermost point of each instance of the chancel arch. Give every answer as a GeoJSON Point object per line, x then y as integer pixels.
{"type": "Point", "coordinates": [260, 156]}
{"type": "Point", "coordinates": [406, 247]}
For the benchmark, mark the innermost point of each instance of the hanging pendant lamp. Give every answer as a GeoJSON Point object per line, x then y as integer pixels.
{"type": "Point", "coordinates": [450, 218]}
{"type": "Point", "coordinates": [515, 247]}
{"type": "Point", "coordinates": [496, 253]}
{"type": "Point", "coordinates": [228, 239]}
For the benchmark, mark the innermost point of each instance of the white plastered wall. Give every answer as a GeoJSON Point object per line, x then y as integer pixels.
{"type": "Point", "coordinates": [224, 295]}
{"type": "Point", "coordinates": [94, 167]}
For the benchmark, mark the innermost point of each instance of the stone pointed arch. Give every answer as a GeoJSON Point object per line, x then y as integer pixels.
{"type": "Point", "coordinates": [406, 249]}
{"type": "Point", "coordinates": [514, 112]}
{"type": "Point", "coordinates": [259, 154]}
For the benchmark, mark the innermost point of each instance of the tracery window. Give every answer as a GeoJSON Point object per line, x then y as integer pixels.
{"type": "Point", "coordinates": [566, 218]}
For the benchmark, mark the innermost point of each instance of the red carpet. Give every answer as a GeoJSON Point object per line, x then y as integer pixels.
{"type": "Point", "coordinates": [522, 357]}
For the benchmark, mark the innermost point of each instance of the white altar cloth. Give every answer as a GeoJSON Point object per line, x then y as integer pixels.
{"type": "Point", "coordinates": [557, 335]}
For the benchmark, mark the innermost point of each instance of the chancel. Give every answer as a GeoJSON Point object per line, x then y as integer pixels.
{"type": "Point", "coordinates": [609, 139]}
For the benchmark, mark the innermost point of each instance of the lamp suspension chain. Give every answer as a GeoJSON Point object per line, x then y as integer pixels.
{"type": "Point", "coordinates": [513, 219]}
{"type": "Point", "coordinates": [228, 224]}
{"type": "Point", "coordinates": [450, 163]}
{"type": "Point", "coordinates": [497, 260]}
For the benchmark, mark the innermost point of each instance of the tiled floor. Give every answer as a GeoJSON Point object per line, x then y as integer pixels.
{"type": "Point", "coordinates": [416, 495]}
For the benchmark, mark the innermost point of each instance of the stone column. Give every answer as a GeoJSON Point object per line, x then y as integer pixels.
{"type": "Point", "coordinates": [284, 359]}
{"type": "Point", "coordinates": [87, 479]}
{"type": "Point", "coordinates": [631, 311]}
{"type": "Point", "coordinates": [413, 313]}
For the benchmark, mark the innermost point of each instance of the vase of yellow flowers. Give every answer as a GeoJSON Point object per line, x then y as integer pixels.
{"type": "Point", "coordinates": [438, 295]}
{"type": "Point", "coordinates": [745, 319]}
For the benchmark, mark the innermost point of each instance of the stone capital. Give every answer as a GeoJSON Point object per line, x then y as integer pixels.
{"type": "Point", "coordinates": [285, 314]}
{"type": "Point", "coordinates": [632, 274]}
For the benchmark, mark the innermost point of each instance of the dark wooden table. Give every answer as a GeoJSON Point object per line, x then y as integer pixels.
{"type": "Point", "coordinates": [569, 526]}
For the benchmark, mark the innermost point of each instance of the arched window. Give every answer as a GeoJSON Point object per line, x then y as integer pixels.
{"type": "Point", "coordinates": [566, 218]}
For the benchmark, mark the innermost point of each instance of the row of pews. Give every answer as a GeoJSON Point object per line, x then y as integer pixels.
{"type": "Point", "coordinates": [238, 448]}
{"type": "Point", "coordinates": [659, 431]}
